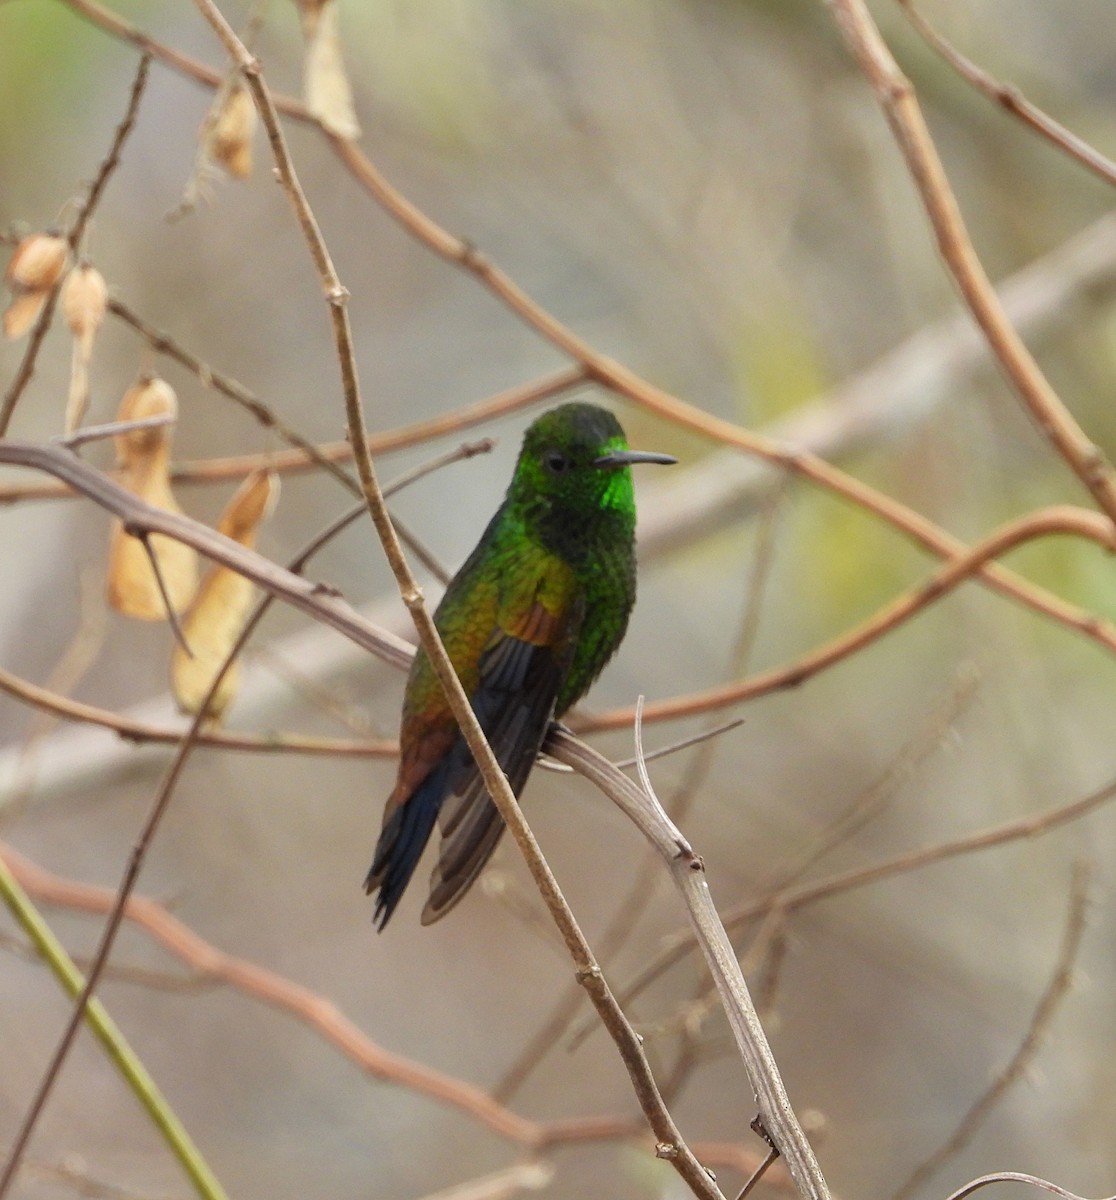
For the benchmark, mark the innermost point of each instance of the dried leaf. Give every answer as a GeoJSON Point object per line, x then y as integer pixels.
{"type": "Point", "coordinates": [221, 607]}
{"type": "Point", "coordinates": [325, 85]}
{"type": "Point", "coordinates": [144, 459]}
{"type": "Point", "coordinates": [230, 137]}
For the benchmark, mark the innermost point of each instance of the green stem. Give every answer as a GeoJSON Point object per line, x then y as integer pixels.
{"type": "Point", "coordinates": [109, 1035]}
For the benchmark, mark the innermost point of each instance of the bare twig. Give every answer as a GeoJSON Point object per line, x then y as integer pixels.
{"type": "Point", "coordinates": [272, 989]}
{"type": "Point", "coordinates": [308, 453]}
{"type": "Point", "coordinates": [138, 516]}
{"type": "Point", "coordinates": [1009, 97]}
{"type": "Point", "coordinates": [140, 731]}
{"type": "Point", "coordinates": [114, 1043]}
{"type": "Point", "coordinates": [1015, 1177]}
{"type": "Point", "coordinates": [530, 1176]}
{"type": "Point", "coordinates": [264, 986]}
{"type": "Point", "coordinates": [164, 595]}
{"type": "Point", "coordinates": [788, 900]}
{"type": "Point", "coordinates": [74, 236]}
{"type": "Point", "coordinates": [900, 106]}
{"type": "Point", "coordinates": [758, 1173]}
{"type": "Point", "coordinates": [94, 433]}
{"type": "Point", "coordinates": [688, 873]}
{"type": "Point", "coordinates": [1056, 990]}
{"type": "Point", "coordinates": [1059, 519]}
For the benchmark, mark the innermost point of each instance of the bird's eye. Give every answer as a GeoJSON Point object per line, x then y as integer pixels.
{"type": "Point", "coordinates": [556, 462]}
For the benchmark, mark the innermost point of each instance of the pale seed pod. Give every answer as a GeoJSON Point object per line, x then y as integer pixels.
{"type": "Point", "coordinates": [325, 83]}
{"type": "Point", "coordinates": [84, 301]}
{"type": "Point", "coordinates": [217, 616]}
{"type": "Point", "coordinates": [230, 139]}
{"type": "Point", "coordinates": [144, 459]}
{"type": "Point", "coordinates": [149, 396]}
{"type": "Point", "coordinates": [22, 312]}
{"type": "Point", "coordinates": [38, 262]}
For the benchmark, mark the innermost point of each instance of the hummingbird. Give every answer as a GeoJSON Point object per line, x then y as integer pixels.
{"type": "Point", "coordinates": [528, 622]}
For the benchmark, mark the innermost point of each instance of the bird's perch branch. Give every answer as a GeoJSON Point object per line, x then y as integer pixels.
{"type": "Point", "coordinates": [688, 872]}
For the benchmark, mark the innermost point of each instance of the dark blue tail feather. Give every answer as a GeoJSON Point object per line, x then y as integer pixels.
{"type": "Point", "coordinates": [402, 842]}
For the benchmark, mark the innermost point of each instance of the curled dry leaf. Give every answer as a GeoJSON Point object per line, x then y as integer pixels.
{"type": "Point", "coordinates": [84, 302]}
{"type": "Point", "coordinates": [221, 607]}
{"type": "Point", "coordinates": [325, 85]}
{"type": "Point", "coordinates": [230, 135]}
{"type": "Point", "coordinates": [36, 266]}
{"type": "Point", "coordinates": [144, 460]}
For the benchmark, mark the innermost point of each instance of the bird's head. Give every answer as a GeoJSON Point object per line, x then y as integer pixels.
{"type": "Point", "coordinates": [574, 465]}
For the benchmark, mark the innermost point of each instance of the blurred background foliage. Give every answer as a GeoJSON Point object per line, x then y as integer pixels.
{"type": "Point", "coordinates": [706, 191]}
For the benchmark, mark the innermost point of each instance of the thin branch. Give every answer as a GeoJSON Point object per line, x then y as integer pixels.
{"type": "Point", "coordinates": [84, 997]}
{"type": "Point", "coordinates": [1009, 97]}
{"type": "Point", "coordinates": [95, 433]}
{"type": "Point", "coordinates": [139, 731]}
{"type": "Point", "coordinates": [144, 539]}
{"type": "Point", "coordinates": [1055, 992]}
{"type": "Point", "coordinates": [308, 453]}
{"type": "Point", "coordinates": [687, 871]}
{"type": "Point", "coordinates": [137, 515]}
{"type": "Point", "coordinates": [900, 106]}
{"type": "Point", "coordinates": [278, 992]}
{"type": "Point", "coordinates": [758, 1173]}
{"type": "Point", "coordinates": [76, 233]}
{"type": "Point", "coordinates": [789, 900]}
{"type": "Point", "coordinates": [237, 467]}
{"type": "Point", "coordinates": [1056, 520]}
{"type": "Point", "coordinates": [1015, 1177]}
{"type": "Point", "coordinates": [50, 701]}
{"type": "Point", "coordinates": [114, 1042]}
{"type": "Point", "coordinates": [530, 1176]}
